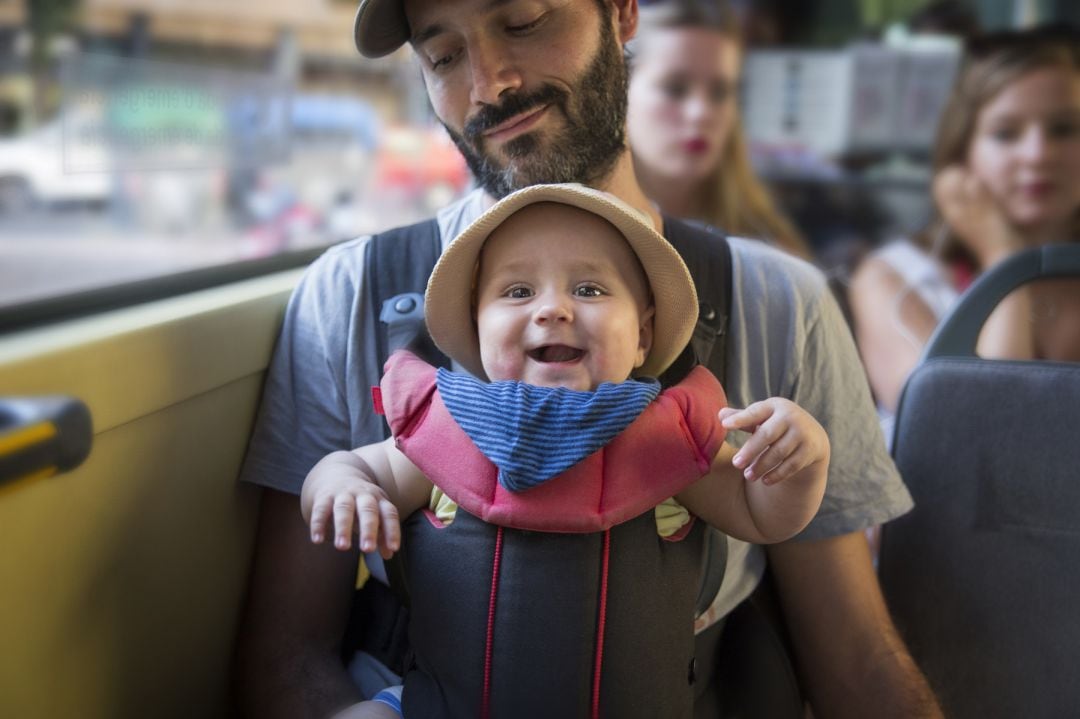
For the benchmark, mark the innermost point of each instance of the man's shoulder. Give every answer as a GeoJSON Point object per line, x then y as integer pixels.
{"type": "Point", "coordinates": [759, 267]}
{"type": "Point", "coordinates": [342, 262]}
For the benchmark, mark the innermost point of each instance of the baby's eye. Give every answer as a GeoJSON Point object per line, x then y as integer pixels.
{"type": "Point", "coordinates": [588, 291]}
{"type": "Point", "coordinates": [518, 293]}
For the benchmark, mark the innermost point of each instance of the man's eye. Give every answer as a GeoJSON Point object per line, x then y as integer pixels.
{"type": "Point", "coordinates": [519, 293]}
{"type": "Point", "coordinates": [588, 291]}
{"type": "Point", "coordinates": [524, 28]}
{"type": "Point", "coordinates": [442, 61]}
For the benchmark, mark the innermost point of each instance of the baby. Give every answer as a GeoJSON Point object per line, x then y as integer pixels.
{"type": "Point", "coordinates": [565, 302]}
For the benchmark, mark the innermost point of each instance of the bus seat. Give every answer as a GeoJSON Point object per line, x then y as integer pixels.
{"type": "Point", "coordinates": [981, 576]}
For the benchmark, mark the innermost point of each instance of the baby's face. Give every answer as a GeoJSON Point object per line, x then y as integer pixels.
{"type": "Point", "coordinates": [562, 300]}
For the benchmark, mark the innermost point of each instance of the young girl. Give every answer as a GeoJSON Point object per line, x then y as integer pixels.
{"type": "Point", "coordinates": [1007, 177]}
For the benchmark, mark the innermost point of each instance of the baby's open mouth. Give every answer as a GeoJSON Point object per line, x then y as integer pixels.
{"type": "Point", "coordinates": [555, 353]}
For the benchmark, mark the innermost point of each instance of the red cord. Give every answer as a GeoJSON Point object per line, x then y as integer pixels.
{"type": "Point", "coordinates": [598, 662]}
{"type": "Point", "coordinates": [485, 705]}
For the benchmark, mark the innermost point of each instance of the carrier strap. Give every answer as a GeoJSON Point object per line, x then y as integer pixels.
{"type": "Point", "coordinates": [708, 256]}
{"type": "Point", "coordinates": [397, 268]}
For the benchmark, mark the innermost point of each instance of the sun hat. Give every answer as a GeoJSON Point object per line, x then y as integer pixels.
{"type": "Point", "coordinates": [380, 27]}
{"type": "Point", "coordinates": [448, 303]}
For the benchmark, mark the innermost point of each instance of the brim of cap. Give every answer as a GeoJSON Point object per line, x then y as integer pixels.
{"type": "Point", "coordinates": [448, 303]}
{"type": "Point", "coordinates": [380, 27]}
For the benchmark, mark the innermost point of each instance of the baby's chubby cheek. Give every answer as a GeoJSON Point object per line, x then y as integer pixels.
{"type": "Point", "coordinates": [498, 366]}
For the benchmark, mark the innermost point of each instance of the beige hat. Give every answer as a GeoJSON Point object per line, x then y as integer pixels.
{"type": "Point", "coordinates": [448, 304]}
{"type": "Point", "coordinates": [380, 27]}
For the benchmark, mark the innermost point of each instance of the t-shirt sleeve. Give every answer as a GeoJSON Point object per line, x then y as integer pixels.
{"type": "Point", "coordinates": [307, 403]}
{"type": "Point", "coordinates": [864, 487]}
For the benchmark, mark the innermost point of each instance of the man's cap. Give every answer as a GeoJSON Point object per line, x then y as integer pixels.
{"type": "Point", "coordinates": [380, 27]}
{"type": "Point", "coordinates": [449, 306]}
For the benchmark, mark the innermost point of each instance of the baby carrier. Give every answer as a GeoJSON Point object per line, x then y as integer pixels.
{"type": "Point", "coordinates": [397, 266]}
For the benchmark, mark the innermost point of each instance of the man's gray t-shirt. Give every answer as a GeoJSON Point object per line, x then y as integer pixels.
{"type": "Point", "coordinates": [787, 339]}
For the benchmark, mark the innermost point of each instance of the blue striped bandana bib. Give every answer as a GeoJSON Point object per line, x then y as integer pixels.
{"type": "Point", "coordinates": [535, 433]}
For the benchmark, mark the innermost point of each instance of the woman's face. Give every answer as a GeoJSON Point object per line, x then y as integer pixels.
{"type": "Point", "coordinates": [683, 92]}
{"type": "Point", "coordinates": [1026, 149]}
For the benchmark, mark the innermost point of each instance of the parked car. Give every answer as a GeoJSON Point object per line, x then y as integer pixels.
{"type": "Point", "coordinates": [33, 173]}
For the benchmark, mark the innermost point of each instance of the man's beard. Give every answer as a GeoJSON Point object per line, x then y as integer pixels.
{"type": "Point", "coordinates": [584, 151]}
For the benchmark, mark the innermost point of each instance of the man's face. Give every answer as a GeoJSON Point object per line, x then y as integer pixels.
{"type": "Point", "coordinates": [531, 92]}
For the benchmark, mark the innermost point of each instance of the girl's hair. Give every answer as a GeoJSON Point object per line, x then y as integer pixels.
{"type": "Point", "coordinates": [739, 203]}
{"type": "Point", "coordinates": [991, 63]}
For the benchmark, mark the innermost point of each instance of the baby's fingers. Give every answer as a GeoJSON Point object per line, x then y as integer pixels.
{"type": "Point", "coordinates": [344, 511]}
{"type": "Point", "coordinates": [787, 468]}
{"type": "Point", "coordinates": [761, 441]}
{"type": "Point", "coordinates": [768, 458]}
{"type": "Point", "coordinates": [367, 514]}
{"type": "Point", "coordinates": [391, 529]}
{"type": "Point", "coordinates": [748, 419]}
{"type": "Point", "coordinates": [320, 515]}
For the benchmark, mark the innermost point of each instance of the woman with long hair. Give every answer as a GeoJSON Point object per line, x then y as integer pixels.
{"type": "Point", "coordinates": [690, 152]}
{"type": "Point", "coordinates": [1006, 177]}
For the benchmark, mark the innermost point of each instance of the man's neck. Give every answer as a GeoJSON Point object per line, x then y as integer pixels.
{"type": "Point", "coordinates": [621, 182]}
{"type": "Point", "coordinates": [678, 199]}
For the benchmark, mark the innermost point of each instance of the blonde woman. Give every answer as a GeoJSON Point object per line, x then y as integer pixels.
{"type": "Point", "coordinates": [690, 152]}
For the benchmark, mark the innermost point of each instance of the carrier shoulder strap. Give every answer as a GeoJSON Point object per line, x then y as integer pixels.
{"type": "Point", "coordinates": [708, 256]}
{"type": "Point", "coordinates": [397, 264]}
{"type": "Point", "coordinates": [397, 267]}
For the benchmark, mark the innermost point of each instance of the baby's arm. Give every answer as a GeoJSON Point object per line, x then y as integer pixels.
{"type": "Point", "coordinates": [372, 487]}
{"type": "Point", "coordinates": [771, 488]}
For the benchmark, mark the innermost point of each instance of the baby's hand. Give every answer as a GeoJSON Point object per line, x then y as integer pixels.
{"type": "Point", "coordinates": [786, 439]}
{"type": "Point", "coordinates": [341, 490]}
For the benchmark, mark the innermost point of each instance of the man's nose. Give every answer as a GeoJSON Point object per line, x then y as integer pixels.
{"type": "Point", "coordinates": [493, 71]}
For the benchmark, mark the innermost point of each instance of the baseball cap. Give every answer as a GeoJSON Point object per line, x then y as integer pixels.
{"type": "Point", "coordinates": [380, 27]}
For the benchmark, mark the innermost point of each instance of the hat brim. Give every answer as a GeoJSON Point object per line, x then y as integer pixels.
{"type": "Point", "coordinates": [380, 27]}
{"type": "Point", "coordinates": [448, 303]}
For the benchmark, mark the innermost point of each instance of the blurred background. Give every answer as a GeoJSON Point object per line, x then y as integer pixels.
{"type": "Point", "coordinates": [144, 138]}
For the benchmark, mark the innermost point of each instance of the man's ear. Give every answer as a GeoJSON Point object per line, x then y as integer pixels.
{"type": "Point", "coordinates": [626, 15]}
{"type": "Point", "coordinates": [645, 335]}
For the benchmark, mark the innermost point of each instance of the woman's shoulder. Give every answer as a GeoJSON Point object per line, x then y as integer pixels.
{"type": "Point", "coordinates": [903, 266]}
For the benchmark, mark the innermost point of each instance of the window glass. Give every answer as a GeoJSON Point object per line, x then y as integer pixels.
{"type": "Point", "coordinates": [141, 138]}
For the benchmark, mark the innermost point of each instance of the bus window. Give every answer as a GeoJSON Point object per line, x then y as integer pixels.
{"type": "Point", "coordinates": [141, 141]}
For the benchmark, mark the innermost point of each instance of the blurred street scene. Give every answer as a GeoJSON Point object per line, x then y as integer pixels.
{"type": "Point", "coordinates": [140, 138]}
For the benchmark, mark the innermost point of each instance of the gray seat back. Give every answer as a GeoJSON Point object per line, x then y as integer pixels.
{"type": "Point", "coordinates": [983, 575]}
